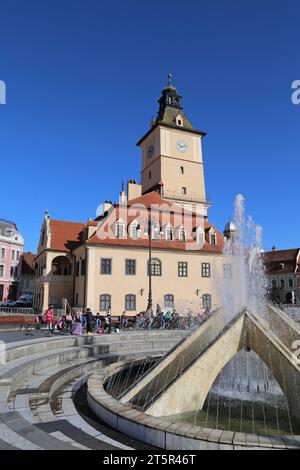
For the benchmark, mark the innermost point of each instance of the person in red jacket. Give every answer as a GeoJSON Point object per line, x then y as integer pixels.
{"type": "Point", "coordinates": [49, 317]}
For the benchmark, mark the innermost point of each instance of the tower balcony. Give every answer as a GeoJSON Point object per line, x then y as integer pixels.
{"type": "Point", "coordinates": [184, 198]}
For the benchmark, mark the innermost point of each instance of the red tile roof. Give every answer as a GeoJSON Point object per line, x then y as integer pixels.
{"type": "Point", "coordinates": [160, 209]}
{"type": "Point", "coordinates": [28, 263]}
{"type": "Point", "coordinates": [65, 236]}
{"type": "Point", "coordinates": [282, 261]}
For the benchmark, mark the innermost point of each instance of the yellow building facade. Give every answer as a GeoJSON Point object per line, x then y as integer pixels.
{"type": "Point", "coordinates": [158, 231]}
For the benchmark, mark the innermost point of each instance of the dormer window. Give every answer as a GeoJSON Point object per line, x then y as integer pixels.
{"type": "Point", "coordinates": [169, 233]}
{"type": "Point", "coordinates": [179, 121]}
{"type": "Point", "coordinates": [156, 232]}
{"type": "Point", "coordinates": [120, 230]}
{"type": "Point", "coordinates": [182, 235]}
{"type": "Point", "coordinates": [134, 232]}
{"type": "Point", "coordinates": [200, 236]}
{"type": "Point", "coordinates": [213, 239]}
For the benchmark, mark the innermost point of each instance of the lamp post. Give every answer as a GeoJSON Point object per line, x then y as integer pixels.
{"type": "Point", "coordinates": [149, 306]}
{"type": "Point", "coordinates": [150, 224]}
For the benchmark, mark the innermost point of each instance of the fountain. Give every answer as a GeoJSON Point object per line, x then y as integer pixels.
{"type": "Point", "coordinates": [245, 383]}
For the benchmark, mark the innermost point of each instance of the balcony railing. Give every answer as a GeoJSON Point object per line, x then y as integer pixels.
{"type": "Point", "coordinates": [183, 197]}
{"type": "Point", "coordinates": [57, 279]}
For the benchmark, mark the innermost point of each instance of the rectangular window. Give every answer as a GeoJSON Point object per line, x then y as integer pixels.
{"type": "Point", "coordinates": [120, 231]}
{"type": "Point", "coordinates": [134, 231]}
{"type": "Point", "coordinates": [2, 253]}
{"type": "Point", "coordinates": [155, 233]}
{"type": "Point", "coordinates": [227, 271]}
{"type": "Point", "coordinates": [291, 283]}
{"type": "Point", "coordinates": [105, 302]}
{"type": "Point", "coordinates": [130, 266]}
{"type": "Point", "coordinates": [182, 269]}
{"type": "Point", "coordinates": [205, 270]}
{"type": "Point", "coordinates": [1, 270]}
{"type": "Point", "coordinates": [106, 265]}
{"type": "Point", "coordinates": [169, 234]}
{"type": "Point", "coordinates": [82, 267]}
{"type": "Point", "coordinates": [181, 235]}
{"type": "Point", "coordinates": [282, 283]}
{"type": "Point", "coordinates": [274, 283]}
{"type": "Point", "coordinates": [130, 303]}
{"type": "Point", "coordinates": [18, 255]}
{"type": "Point", "coordinates": [213, 239]}
{"type": "Point", "coordinates": [77, 268]}
{"type": "Point", "coordinates": [11, 271]}
{"type": "Point", "coordinates": [183, 190]}
{"type": "Point", "coordinates": [13, 254]}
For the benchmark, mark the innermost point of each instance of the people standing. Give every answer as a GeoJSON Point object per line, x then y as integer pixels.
{"type": "Point", "coordinates": [123, 322]}
{"type": "Point", "coordinates": [149, 319]}
{"type": "Point", "coordinates": [168, 320]}
{"type": "Point", "coordinates": [49, 318]}
{"type": "Point", "coordinates": [98, 321]}
{"type": "Point", "coordinates": [109, 320]}
{"type": "Point", "coordinates": [161, 320]}
{"type": "Point", "coordinates": [69, 320]}
{"type": "Point", "coordinates": [89, 321]}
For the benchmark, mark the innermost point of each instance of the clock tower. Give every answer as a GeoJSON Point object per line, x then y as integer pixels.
{"type": "Point", "coordinates": [172, 161]}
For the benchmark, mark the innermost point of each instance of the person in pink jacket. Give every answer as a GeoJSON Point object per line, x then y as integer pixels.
{"type": "Point", "coordinates": [49, 317]}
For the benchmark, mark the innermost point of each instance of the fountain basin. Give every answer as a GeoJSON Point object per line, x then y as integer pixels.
{"type": "Point", "coordinates": [167, 433]}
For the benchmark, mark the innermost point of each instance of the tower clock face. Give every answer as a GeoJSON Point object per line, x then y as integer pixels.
{"type": "Point", "coordinates": [181, 146]}
{"type": "Point", "coordinates": [150, 151]}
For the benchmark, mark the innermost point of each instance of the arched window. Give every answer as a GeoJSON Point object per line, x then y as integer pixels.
{"type": "Point", "coordinates": [155, 267]}
{"type": "Point", "coordinates": [105, 301]}
{"type": "Point", "coordinates": [130, 302]}
{"type": "Point", "coordinates": [169, 301]}
{"type": "Point", "coordinates": [182, 170]}
{"type": "Point", "coordinates": [206, 301]}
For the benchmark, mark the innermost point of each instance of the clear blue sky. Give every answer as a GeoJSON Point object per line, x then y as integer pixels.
{"type": "Point", "coordinates": [83, 78]}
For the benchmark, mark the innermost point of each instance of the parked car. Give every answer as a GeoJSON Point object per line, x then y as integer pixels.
{"type": "Point", "coordinates": [24, 301]}
{"type": "Point", "coordinates": [9, 303]}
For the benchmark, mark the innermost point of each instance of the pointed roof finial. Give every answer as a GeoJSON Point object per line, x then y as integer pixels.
{"type": "Point", "coordinates": [169, 78]}
{"type": "Point", "coordinates": [122, 185]}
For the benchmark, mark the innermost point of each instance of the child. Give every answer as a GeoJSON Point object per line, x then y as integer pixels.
{"type": "Point", "coordinates": [49, 317]}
